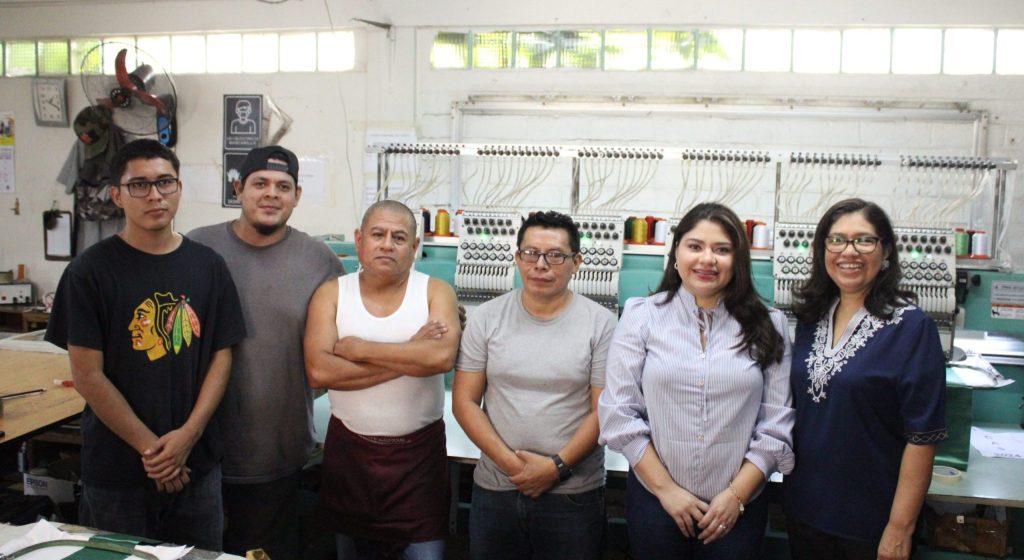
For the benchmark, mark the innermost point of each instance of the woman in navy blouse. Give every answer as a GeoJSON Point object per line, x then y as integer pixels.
{"type": "Point", "coordinates": [697, 399]}
{"type": "Point", "coordinates": [869, 387]}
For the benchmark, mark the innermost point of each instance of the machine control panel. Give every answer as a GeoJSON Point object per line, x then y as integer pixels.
{"type": "Point", "coordinates": [16, 294]}
{"type": "Point", "coordinates": [485, 263]}
{"type": "Point", "coordinates": [601, 245]}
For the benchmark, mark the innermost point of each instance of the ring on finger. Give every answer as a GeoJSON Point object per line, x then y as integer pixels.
{"type": "Point", "coordinates": [722, 527]}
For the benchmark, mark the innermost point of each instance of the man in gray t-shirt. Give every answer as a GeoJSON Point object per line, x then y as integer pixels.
{"type": "Point", "coordinates": [535, 359]}
{"type": "Point", "coordinates": [266, 415]}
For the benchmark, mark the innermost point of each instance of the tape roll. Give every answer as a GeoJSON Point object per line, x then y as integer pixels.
{"type": "Point", "coordinates": [946, 474]}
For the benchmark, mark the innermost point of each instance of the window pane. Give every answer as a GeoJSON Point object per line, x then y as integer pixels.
{"type": "Point", "coordinates": [720, 49]}
{"type": "Point", "coordinates": [113, 45]}
{"type": "Point", "coordinates": [188, 54]}
{"type": "Point", "coordinates": [224, 53]}
{"type": "Point", "coordinates": [86, 58]}
{"type": "Point", "coordinates": [492, 50]}
{"type": "Point", "coordinates": [53, 58]}
{"type": "Point", "coordinates": [157, 49]}
{"type": "Point", "coordinates": [21, 58]}
{"type": "Point", "coordinates": [916, 51]}
{"type": "Point", "coordinates": [259, 53]}
{"type": "Point", "coordinates": [767, 50]}
{"type": "Point", "coordinates": [816, 51]}
{"type": "Point", "coordinates": [866, 51]}
{"type": "Point", "coordinates": [536, 49]}
{"type": "Point", "coordinates": [625, 50]}
{"type": "Point", "coordinates": [581, 49]}
{"type": "Point", "coordinates": [968, 51]}
{"type": "Point", "coordinates": [3, 57]}
{"type": "Point", "coordinates": [298, 52]}
{"type": "Point", "coordinates": [450, 50]}
{"type": "Point", "coordinates": [1008, 48]}
{"type": "Point", "coordinates": [336, 52]}
{"type": "Point", "coordinates": [672, 50]}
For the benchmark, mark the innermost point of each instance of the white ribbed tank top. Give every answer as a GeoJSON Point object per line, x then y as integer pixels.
{"type": "Point", "coordinates": [400, 406]}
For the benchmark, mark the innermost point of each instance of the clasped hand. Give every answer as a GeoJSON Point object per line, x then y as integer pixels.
{"type": "Point", "coordinates": [719, 518]}
{"type": "Point", "coordinates": [696, 518]}
{"type": "Point", "coordinates": [537, 475]}
{"type": "Point", "coordinates": [165, 459]}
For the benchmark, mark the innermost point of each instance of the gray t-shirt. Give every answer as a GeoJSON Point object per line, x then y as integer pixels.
{"type": "Point", "coordinates": [267, 412]}
{"type": "Point", "coordinates": [539, 376]}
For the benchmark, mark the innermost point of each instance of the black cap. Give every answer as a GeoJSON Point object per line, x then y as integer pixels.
{"type": "Point", "coordinates": [259, 159]}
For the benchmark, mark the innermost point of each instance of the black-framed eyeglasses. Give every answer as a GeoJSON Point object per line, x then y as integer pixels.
{"type": "Point", "coordinates": [864, 244]}
{"type": "Point", "coordinates": [141, 189]}
{"type": "Point", "coordinates": [550, 257]}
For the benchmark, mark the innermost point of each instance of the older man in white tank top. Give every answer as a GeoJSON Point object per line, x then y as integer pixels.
{"type": "Point", "coordinates": [379, 340]}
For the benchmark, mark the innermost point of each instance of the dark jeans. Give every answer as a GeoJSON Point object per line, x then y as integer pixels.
{"type": "Point", "coordinates": [192, 517]}
{"type": "Point", "coordinates": [509, 525]}
{"type": "Point", "coordinates": [654, 535]}
{"type": "Point", "coordinates": [808, 543]}
{"type": "Point", "coordinates": [263, 515]}
{"type": "Point", "coordinates": [361, 549]}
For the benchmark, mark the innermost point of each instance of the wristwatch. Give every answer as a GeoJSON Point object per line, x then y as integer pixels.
{"type": "Point", "coordinates": [564, 472]}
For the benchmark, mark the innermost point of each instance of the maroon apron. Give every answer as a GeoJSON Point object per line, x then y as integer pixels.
{"type": "Point", "coordinates": [393, 490]}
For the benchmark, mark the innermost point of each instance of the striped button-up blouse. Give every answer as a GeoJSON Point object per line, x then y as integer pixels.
{"type": "Point", "coordinates": [704, 410]}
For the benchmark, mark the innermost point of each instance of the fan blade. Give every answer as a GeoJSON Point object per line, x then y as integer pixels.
{"type": "Point", "coordinates": [127, 83]}
{"type": "Point", "coordinates": [151, 100]}
{"type": "Point", "coordinates": [121, 72]}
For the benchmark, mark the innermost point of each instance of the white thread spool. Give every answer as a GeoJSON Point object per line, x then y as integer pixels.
{"type": "Point", "coordinates": [660, 231]}
{"type": "Point", "coordinates": [762, 237]}
{"type": "Point", "coordinates": [979, 245]}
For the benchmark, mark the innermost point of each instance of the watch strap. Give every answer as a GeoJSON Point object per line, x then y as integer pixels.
{"type": "Point", "coordinates": [564, 472]}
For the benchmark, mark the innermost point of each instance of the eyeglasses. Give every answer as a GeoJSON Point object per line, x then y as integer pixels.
{"type": "Point", "coordinates": [864, 244]}
{"type": "Point", "coordinates": [551, 257]}
{"type": "Point", "coordinates": [141, 189]}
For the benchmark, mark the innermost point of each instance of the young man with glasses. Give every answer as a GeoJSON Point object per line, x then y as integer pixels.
{"type": "Point", "coordinates": [149, 318]}
{"type": "Point", "coordinates": [268, 408]}
{"type": "Point", "coordinates": [535, 357]}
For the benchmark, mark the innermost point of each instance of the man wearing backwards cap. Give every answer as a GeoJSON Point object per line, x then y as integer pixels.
{"type": "Point", "coordinates": [266, 415]}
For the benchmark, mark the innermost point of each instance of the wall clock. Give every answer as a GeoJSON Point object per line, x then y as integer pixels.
{"type": "Point", "coordinates": [50, 101]}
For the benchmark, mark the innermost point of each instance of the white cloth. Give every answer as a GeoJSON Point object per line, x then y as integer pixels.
{"type": "Point", "coordinates": [43, 531]}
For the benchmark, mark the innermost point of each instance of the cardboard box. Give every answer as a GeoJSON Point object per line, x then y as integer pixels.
{"type": "Point", "coordinates": [58, 482]}
{"type": "Point", "coordinates": [60, 491]}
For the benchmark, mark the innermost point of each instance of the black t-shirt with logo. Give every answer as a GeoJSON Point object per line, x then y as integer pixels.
{"type": "Point", "coordinates": [158, 319]}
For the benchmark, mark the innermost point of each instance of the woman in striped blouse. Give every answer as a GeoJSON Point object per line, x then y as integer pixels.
{"type": "Point", "coordinates": [697, 398]}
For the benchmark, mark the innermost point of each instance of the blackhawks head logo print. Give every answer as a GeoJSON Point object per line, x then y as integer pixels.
{"type": "Point", "coordinates": [161, 323]}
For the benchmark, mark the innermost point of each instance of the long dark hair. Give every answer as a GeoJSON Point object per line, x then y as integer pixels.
{"type": "Point", "coordinates": [812, 300]}
{"type": "Point", "coordinates": [760, 339]}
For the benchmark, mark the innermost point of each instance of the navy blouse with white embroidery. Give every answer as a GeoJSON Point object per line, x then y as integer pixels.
{"type": "Point", "coordinates": [858, 405]}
